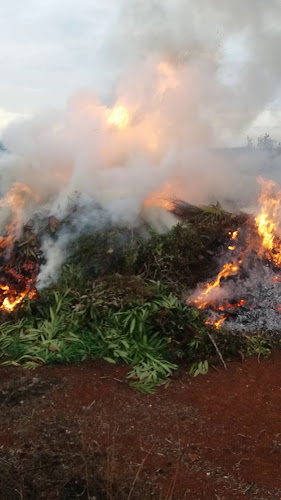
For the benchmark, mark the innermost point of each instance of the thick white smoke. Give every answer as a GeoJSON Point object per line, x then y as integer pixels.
{"type": "Point", "coordinates": [185, 78]}
{"type": "Point", "coordinates": [237, 42]}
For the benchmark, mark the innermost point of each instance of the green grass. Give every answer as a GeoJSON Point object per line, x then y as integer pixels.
{"type": "Point", "coordinates": [67, 327]}
{"type": "Point", "coordinates": [121, 303]}
{"type": "Point", "coordinates": [115, 323]}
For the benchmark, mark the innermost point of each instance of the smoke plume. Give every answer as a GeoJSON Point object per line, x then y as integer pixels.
{"type": "Point", "coordinates": [180, 80]}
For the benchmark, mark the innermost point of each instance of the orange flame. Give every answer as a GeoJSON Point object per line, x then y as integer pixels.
{"type": "Point", "coordinates": [201, 302]}
{"type": "Point", "coordinates": [162, 198]}
{"type": "Point", "coordinates": [269, 230]}
{"type": "Point", "coordinates": [234, 235]}
{"type": "Point", "coordinates": [15, 200]}
{"type": "Point", "coordinates": [267, 220]}
{"type": "Point", "coordinates": [232, 306]}
{"type": "Point", "coordinates": [216, 324]}
{"type": "Point", "coordinates": [9, 303]}
{"type": "Point", "coordinates": [11, 295]}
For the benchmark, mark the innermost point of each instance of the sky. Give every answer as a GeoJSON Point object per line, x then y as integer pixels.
{"type": "Point", "coordinates": [49, 49]}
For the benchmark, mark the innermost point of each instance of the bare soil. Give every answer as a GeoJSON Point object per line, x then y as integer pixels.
{"type": "Point", "coordinates": [80, 431]}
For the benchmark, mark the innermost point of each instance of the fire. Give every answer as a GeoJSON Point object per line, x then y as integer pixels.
{"type": "Point", "coordinates": [162, 198]}
{"type": "Point", "coordinates": [219, 322]}
{"type": "Point", "coordinates": [15, 200]}
{"type": "Point", "coordinates": [13, 293]}
{"type": "Point", "coordinates": [216, 324]}
{"type": "Point", "coordinates": [202, 301]}
{"type": "Point", "coordinates": [234, 235]}
{"type": "Point", "coordinates": [264, 240]}
{"type": "Point", "coordinates": [17, 278]}
{"type": "Point", "coordinates": [118, 116]}
{"type": "Point", "coordinates": [267, 220]}
{"type": "Point", "coordinates": [232, 306]}
{"type": "Point", "coordinates": [9, 303]}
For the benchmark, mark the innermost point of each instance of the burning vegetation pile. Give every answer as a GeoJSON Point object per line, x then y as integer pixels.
{"type": "Point", "coordinates": [245, 295]}
{"type": "Point", "coordinates": [141, 297]}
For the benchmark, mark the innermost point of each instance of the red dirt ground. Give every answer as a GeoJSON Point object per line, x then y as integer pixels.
{"type": "Point", "coordinates": [80, 431]}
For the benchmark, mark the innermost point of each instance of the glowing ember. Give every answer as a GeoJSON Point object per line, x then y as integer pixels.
{"type": "Point", "coordinates": [232, 306]}
{"type": "Point", "coordinates": [18, 286]}
{"type": "Point", "coordinates": [118, 116]}
{"type": "Point", "coordinates": [231, 247]}
{"type": "Point", "coordinates": [234, 235]}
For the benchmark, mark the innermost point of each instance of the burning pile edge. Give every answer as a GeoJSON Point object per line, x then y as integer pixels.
{"type": "Point", "coordinates": [246, 294]}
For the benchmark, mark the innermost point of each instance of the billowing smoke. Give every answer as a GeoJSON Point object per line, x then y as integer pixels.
{"type": "Point", "coordinates": [233, 43]}
{"type": "Point", "coordinates": [181, 79]}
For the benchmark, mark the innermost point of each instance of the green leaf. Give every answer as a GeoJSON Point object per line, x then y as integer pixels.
{"type": "Point", "coordinates": [110, 360]}
{"type": "Point", "coordinates": [133, 324]}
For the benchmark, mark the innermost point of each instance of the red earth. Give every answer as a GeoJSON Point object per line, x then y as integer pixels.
{"type": "Point", "coordinates": [80, 431]}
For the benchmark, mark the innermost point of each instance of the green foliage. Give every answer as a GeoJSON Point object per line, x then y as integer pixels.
{"type": "Point", "coordinates": [72, 275]}
{"type": "Point", "coordinates": [119, 319]}
{"type": "Point", "coordinates": [179, 258]}
{"type": "Point", "coordinates": [174, 257]}
{"type": "Point", "coordinates": [130, 256]}
{"type": "Point", "coordinates": [118, 299]}
{"type": "Point", "coordinates": [73, 327]}
{"type": "Point", "coordinates": [200, 368]}
{"type": "Point", "coordinates": [258, 345]}
{"type": "Point", "coordinates": [103, 252]}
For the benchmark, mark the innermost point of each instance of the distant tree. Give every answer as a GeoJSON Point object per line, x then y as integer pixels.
{"type": "Point", "coordinates": [266, 142]}
{"type": "Point", "coordinates": [250, 142]}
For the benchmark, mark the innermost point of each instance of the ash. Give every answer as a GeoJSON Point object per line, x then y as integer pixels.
{"type": "Point", "coordinates": [261, 289]}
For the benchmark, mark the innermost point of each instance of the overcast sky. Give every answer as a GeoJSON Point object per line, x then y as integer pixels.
{"type": "Point", "coordinates": [48, 50]}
